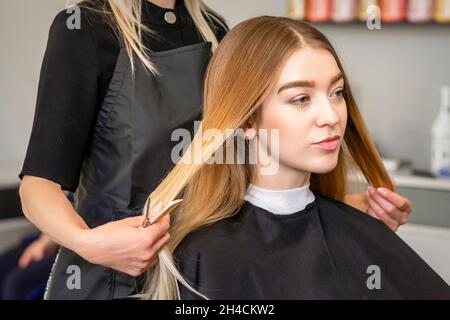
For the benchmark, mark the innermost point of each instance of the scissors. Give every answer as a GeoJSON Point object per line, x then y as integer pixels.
{"type": "Point", "coordinates": [153, 219]}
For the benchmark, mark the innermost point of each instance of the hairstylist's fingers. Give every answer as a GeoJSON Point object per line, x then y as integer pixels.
{"type": "Point", "coordinates": [163, 223]}
{"type": "Point", "coordinates": [153, 261]}
{"type": "Point", "coordinates": [150, 256]}
{"type": "Point", "coordinates": [402, 203]}
{"type": "Point", "coordinates": [382, 214]}
{"type": "Point", "coordinates": [395, 213]}
{"type": "Point", "coordinates": [371, 213]}
{"type": "Point", "coordinates": [161, 242]}
{"type": "Point", "coordinates": [155, 231]}
{"type": "Point", "coordinates": [132, 271]}
{"type": "Point", "coordinates": [143, 265]}
{"type": "Point", "coordinates": [133, 221]}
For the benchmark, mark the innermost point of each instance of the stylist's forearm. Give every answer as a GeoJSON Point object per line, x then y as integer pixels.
{"type": "Point", "coordinates": [45, 204]}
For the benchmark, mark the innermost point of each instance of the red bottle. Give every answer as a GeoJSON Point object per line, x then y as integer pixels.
{"type": "Point", "coordinates": [393, 10]}
{"type": "Point", "coordinates": [318, 10]}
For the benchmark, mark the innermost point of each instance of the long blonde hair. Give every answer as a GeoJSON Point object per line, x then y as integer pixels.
{"type": "Point", "coordinates": [125, 18]}
{"type": "Point", "coordinates": [242, 71]}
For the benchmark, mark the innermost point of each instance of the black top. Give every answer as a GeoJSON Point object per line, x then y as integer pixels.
{"type": "Point", "coordinates": [76, 71]}
{"type": "Point", "coordinates": [329, 250]}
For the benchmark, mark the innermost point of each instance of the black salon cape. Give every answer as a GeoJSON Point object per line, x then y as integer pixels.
{"type": "Point", "coordinates": [322, 252]}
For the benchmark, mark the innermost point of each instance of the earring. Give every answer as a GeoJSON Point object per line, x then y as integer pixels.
{"type": "Point", "coordinates": [250, 134]}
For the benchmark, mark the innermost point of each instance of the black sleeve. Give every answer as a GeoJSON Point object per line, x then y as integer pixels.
{"type": "Point", "coordinates": [66, 105]}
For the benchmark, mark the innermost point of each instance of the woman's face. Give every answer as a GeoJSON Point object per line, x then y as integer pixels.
{"type": "Point", "coordinates": [308, 108]}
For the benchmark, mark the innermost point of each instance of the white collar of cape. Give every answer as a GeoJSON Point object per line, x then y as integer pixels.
{"type": "Point", "coordinates": [281, 202]}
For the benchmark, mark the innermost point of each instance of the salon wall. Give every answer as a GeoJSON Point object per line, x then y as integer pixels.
{"type": "Point", "coordinates": [24, 28]}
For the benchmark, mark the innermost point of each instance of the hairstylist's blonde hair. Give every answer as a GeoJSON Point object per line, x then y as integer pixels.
{"type": "Point", "coordinates": [243, 69]}
{"type": "Point", "coordinates": [125, 17]}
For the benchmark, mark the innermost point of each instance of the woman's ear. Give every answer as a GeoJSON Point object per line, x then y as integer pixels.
{"type": "Point", "coordinates": [250, 134]}
{"type": "Point", "coordinates": [250, 130]}
{"type": "Point", "coordinates": [251, 127]}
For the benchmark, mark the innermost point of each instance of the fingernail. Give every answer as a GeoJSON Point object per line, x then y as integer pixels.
{"type": "Point", "coordinates": [382, 191]}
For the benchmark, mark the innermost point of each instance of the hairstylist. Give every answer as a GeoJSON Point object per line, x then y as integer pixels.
{"type": "Point", "coordinates": [102, 129]}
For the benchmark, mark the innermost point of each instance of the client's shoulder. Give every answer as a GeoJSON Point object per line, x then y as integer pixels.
{"type": "Point", "coordinates": [213, 237]}
{"type": "Point", "coordinates": [335, 212]}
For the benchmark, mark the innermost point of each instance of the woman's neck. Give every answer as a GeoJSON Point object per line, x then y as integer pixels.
{"type": "Point", "coordinates": [284, 178]}
{"type": "Point", "coordinates": [284, 191]}
{"type": "Point", "coordinates": [166, 4]}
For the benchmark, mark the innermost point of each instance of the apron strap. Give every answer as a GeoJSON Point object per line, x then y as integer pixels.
{"type": "Point", "coordinates": [121, 42]}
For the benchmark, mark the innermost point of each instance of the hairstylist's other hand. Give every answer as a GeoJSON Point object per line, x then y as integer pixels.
{"type": "Point", "coordinates": [39, 249]}
{"type": "Point", "coordinates": [389, 207]}
{"type": "Point", "coordinates": [382, 204]}
{"type": "Point", "coordinates": [124, 246]}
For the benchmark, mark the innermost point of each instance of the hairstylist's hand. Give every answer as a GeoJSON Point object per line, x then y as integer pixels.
{"type": "Point", "coordinates": [39, 249]}
{"type": "Point", "coordinates": [124, 246]}
{"type": "Point", "coordinates": [383, 204]}
{"type": "Point", "coordinates": [389, 207]}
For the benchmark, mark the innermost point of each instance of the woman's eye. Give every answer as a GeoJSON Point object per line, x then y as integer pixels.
{"type": "Point", "coordinates": [301, 101]}
{"type": "Point", "coordinates": [339, 93]}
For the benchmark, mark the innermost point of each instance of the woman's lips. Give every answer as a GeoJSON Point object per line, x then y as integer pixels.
{"type": "Point", "coordinates": [328, 144]}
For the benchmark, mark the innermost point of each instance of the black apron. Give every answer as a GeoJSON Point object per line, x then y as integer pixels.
{"type": "Point", "coordinates": [129, 155]}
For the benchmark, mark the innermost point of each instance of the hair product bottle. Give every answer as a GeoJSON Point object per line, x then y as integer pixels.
{"type": "Point", "coordinates": [420, 10]}
{"type": "Point", "coordinates": [296, 9]}
{"type": "Point", "coordinates": [344, 10]}
{"type": "Point", "coordinates": [318, 10]}
{"type": "Point", "coordinates": [363, 7]}
{"type": "Point", "coordinates": [442, 11]}
{"type": "Point", "coordinates": [393, 10]}
{"type": "Point", "coordinates": [440, 138]}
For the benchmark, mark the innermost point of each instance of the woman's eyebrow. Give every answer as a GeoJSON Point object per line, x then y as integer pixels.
{"type": "Point", "coordinates": [336, 78]}
{"type": "Point", "coordinates": [307, 83]}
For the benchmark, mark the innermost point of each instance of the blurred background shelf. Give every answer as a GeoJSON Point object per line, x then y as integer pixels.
{"type": "Point", "coordinates": [9, 176]}
{"type": "Point", "coordinates": [378, 11]}
{"type": "Point", "coordinates": [405, 181]}
{"type": "Point", "coordinates": [431, 244]}
{"type": "Point", "coordinates": [403, 23]}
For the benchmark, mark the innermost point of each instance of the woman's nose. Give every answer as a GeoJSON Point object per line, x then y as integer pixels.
{"type": "Point", "coordinates": [326, 113]}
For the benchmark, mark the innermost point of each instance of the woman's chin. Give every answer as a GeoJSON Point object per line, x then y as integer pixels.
{"type": "Point", "coordinates": [322, 167]}
{"type": "Point", "coordinates": [319, 165]}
